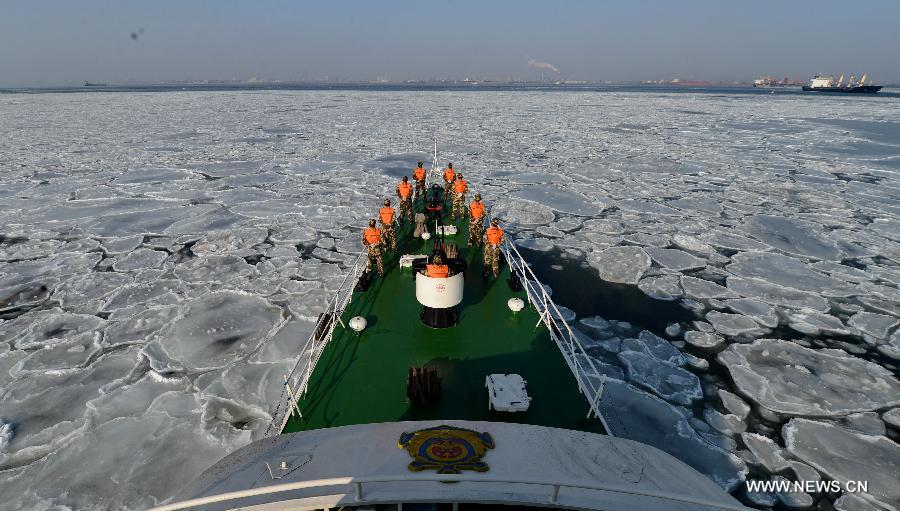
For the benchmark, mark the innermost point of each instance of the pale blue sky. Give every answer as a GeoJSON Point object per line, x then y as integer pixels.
{"type": "Point", "coordinates": [45, 42]}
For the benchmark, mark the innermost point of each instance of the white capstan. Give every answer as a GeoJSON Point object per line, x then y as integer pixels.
{"type": "Point", "coordinates": [515, 304]}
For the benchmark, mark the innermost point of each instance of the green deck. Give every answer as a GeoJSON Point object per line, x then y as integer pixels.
{"type": "Point", "coordinates": [361, 378]}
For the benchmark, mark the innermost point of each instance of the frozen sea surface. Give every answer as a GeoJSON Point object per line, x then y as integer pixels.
{"type": "Point", "coordinates": [163, 255]}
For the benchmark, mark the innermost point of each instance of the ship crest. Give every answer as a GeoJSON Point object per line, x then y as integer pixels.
{"type": "Point", "coordinates": [447, 449]}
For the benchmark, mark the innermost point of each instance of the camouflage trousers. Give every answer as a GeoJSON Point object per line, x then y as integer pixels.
{"type": "Point", "coordinates": [420, 188]}
{"type": "Point", "coordinates": [405, 210]}
{"type": "Point", "coordinates": [476, 232]}
{"type": "Point", "coordinates": [492, 258]}
{"type": "Point", "coordinates": [459, 205]}
{"type": "Point", "coordinates": [448, 188]}
{"type": "Point", "coordinates": [388, 235]}
{"type": "Point", "coordinates": [374, 255]}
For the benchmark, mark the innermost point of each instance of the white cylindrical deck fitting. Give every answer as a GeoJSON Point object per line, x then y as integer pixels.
{"type": "Point", "coordinates": [439, 293]}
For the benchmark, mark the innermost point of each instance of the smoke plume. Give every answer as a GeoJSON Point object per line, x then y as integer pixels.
{"type": "Point", "coordinates": [542, 65]}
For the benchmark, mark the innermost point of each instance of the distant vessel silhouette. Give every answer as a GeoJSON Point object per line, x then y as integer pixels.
{"type": "Point", "coordinates": [89, 84]}
{"type": "Point", "coordinates": [827, 84]}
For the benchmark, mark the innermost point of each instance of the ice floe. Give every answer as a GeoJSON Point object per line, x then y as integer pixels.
{"type": "Point", "coordinates": [789, 379]}
{"type": "Point", "coordinates": [675, 259]}
{"type": "Point", "coordinates": [661, 288]}
{"type": "Point", "coordinates": [844, 455]}
{"type": "Point", "coordinates": [765, 452]}
{"type": "Point", "coordinates": [700, 289]}
{"type": "Point", "coordinates": [622, 264]}
{"type": "Point", "coordinates": [762, 313]}
{"type": "Point", "coordinates": [734, 404]}
{"type": "Point", "coordinates": [522, 212]}
{"type": "Point", "coordinates": [140, 259]}
{"type": "Point", "coordinates": [214, 330]}
{"type": "Point", "coordinates": [48, 328]}
{"type": "Point", "coordinates": [213, 269]}
{"type": "Point", "coordinates": [815, 323]}
{"type": "Point", "coordinates": [793, 236]}
{"type": "Point", "coordinates": [653, 421]}
{"type": "Point", "coordinates": [876, 325]}
{"type": "Point", "coordinates": [704, 340]}
{"type": "Point", "coordinates": [664, 379]}
{"type": "Point", "coordinates": [727, 424]}
{"type": "Point", "coordinates": [654, 346]}
{"type": "Point", "coordinates": [734, 325]}
{"type": "Point", "coordinates": [238, 242]}
{"type": "Point", "coordinates": [777, 295]}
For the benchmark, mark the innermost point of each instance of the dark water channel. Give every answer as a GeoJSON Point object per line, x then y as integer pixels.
{"type": "Point", "coordinates": [580, 288]}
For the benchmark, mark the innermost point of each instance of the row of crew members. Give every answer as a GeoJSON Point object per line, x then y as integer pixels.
{"type": "Point", "coordinates": [374, 238]}
{"type": "Point", "coordinates": [455, 186]}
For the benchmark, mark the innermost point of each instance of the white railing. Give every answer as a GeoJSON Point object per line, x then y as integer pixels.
{"type": "Point", "coordinates": [560, 332]}
{"type": "Point", "coordinates": [297, 381]}
{"type": "Point", "coordinates": [553, 489]}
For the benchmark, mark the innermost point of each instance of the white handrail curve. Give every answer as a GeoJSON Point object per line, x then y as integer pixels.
{"type": "Point", "coordinates": [357, 482]}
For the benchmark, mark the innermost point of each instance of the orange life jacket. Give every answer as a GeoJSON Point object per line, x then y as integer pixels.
{"type": "Point", "coordinates": [460, 186]}
{"type": "Point", "coordinates": [404, 189]}
{"type": "Point", "coordinates": [387, 215]}
{"type": "Point", "coordinates": [372, 235]}
{"type": "Point", "coordinates": [476, 209]}
{"type": "Point", "coordinates": [494, 235]}
{"type": "Point", "coordinates": [419, 174]}
{"type": "Point", "coordinates": [437, 271]}
{"type": "Point", "coordinates": [449, 174]}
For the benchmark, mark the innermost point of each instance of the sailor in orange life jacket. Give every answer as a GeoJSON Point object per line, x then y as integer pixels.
{"type": "Point", "coordinates": [388, 233]}
{"type": "Point", "coordinates": [372, 242]}
{"type": "Point", "coordinates": [404, 192]}
{"type": "Point", "coordinates": [459, 197]}
{"type": "Point", "coordinates": [449, 176]}
{"type": "Point", "coordinates": [493, 238]}
{"type": "Point", "coordinates": [437, 269]}
{"type": "Point", "coordinates": [419, 177]}
{"type": "Point", "coordinates": [476, 222]}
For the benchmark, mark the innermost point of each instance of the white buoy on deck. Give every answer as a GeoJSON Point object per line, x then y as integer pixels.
{"type": "Point", "coordinates": [515, 304]}
{"type": "Point", "coordinates": [358, 323]}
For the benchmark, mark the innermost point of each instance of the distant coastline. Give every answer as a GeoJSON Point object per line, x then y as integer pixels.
{"type": "Point", "coordinates": [889, 90]}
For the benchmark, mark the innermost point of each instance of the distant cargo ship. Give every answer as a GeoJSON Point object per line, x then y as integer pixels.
{"type": "Point", "coordinates": [769, 82]}
{"type": "Point", "coordinates": [89, 84]}
{"type": "Point", "coordinates": [828, 84]}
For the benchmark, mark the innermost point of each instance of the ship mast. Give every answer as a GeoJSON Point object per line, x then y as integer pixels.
{"type": "Point", "coordinates": [434, 159]}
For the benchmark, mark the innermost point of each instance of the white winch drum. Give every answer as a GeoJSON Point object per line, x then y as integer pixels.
{"type": "Point", "coordinates": [439, 293]}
